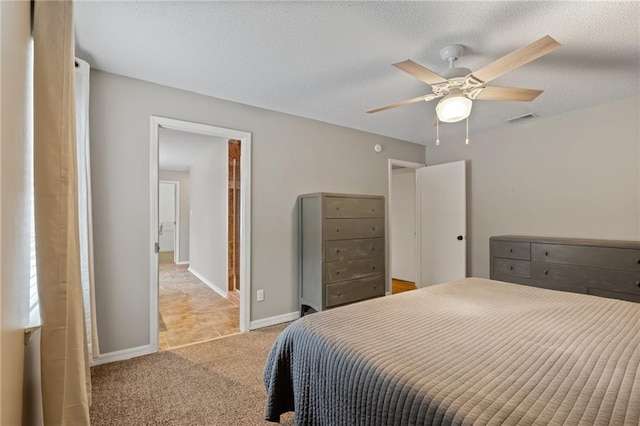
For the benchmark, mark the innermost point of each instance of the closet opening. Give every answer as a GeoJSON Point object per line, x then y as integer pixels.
{"type": "Point", "coordinates": [402, 225]}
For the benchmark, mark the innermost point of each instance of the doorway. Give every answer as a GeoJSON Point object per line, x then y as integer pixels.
{"type": "Point", "coordinates": [403, 216]}
{"type": "Point", "coordinates": [204, 265]}
{"type": "Point", "coordinates": [169, 217]}
{"type": "Point", "coordinates": [439, 224]}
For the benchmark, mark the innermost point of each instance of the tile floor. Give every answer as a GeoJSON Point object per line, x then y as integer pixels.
{"type": "Point", "coordinates": [190, 311]}
{"type": "Point", "coordinates": [165, 257]}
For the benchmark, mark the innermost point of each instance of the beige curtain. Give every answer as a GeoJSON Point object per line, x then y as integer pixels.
{"type": "Point", "coordinates": [65, 365]}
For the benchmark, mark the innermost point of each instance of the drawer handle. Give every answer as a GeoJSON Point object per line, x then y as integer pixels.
{"type": "Point", "coordinates": [638, 261]}
{"type": "Point", "coordinates": [511, 268]}
{"type": "Point", "coordinates": [546, 272]}
{"type": "Point", "coordinates": [338, 294]}
{"type": "Point", "coordinates": [337, 207]}
{"type": "Point", "coordinates": [375, 286]}
{"type": "Point", "coordinates": [510, 250]}
{"type": "Point", "coordinates": [337, 229]}
{"type": "Point", "coordinates": [373, 248]}
{"type": "Point", "coordinates": [337, 272]}
{"type": "Point", "coordinates": [546, 253]}
{"type": "Point", "coordinates": [373, 228]}
{"type": "Point", "coordinates": [373, 268]}
{"type": "Point", "coordinates": [337, 251]}
{"type": "Point", "coordinates": [638, 283]}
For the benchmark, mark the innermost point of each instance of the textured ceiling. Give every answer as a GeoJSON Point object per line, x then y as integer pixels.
{"type": "Point", "coordinates": [178, 150]}
{"type": "Point", "coordinates": [331, 61]}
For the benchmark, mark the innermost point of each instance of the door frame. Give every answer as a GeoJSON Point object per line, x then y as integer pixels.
{"type": "Point", "coordinates": [409, 165]}
{"type": "Point", "coordinates": [156, 123]}
{"type": "Point", "coordinates": [176, 226]}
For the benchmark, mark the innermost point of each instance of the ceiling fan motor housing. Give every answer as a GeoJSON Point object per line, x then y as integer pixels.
{"type": "Point", "coordinates": [457, 72]}
{"type": "Point", "coordinates": [452, 52]}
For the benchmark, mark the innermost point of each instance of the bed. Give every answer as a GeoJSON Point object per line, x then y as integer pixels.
{"type": "Point", "coordinates": [473, 351]}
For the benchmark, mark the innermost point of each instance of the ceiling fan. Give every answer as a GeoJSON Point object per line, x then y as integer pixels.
{"type": "Point", "coordinates": [458, 86]}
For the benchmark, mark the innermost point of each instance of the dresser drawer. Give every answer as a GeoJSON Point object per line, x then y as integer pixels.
{"type": "Point", "coordinates": [581, 276]}
{"type": "Point", "coordinates": [340, 207]}
{"type": "Point", "coordinates": [615, 295]}
{"type": "Point", "coordinates": [559, 286]}
{"type": "Point", "coordinates": [353, 249]}
{"type": "Point", "coordinates": [352, 269]}
{"type": "Point", "coordinates": [598, 257]}
{"type": "Point", "coordinates": [351, 291]}
{"type": "Point", "coordinates": [518, 268]}
{"type": "Point", "coordinates": [346, 229]}
{"type": "Point", "coordinates": [511, 249]}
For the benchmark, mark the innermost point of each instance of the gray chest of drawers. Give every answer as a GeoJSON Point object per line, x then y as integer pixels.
{"type": "Point", "coordinates": [342, 249]}
{"type": "Point", "coordinates": [603, 268]}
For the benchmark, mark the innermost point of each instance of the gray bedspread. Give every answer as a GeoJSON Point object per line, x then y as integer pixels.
{"type": "Point", "coordinates": [473, 351]}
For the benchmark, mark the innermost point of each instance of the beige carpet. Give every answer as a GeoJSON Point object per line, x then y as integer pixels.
{"type": "Point", "coordinates": [213, 383]}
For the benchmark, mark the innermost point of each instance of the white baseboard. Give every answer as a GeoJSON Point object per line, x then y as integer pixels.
{"type": "Point", "coordinates": [214, 287]}
{"type": "Point", "coordinates": [122, 355]}
{"type": "Point", "coordinates": [278, 319]}
{"type": "Point", "coordinates": [125, 354]}
{"type": "Point", "coordinates": [185, 262]}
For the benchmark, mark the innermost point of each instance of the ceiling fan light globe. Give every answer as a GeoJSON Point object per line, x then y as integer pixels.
{"type": "Point", "coordinates": [454, 108]}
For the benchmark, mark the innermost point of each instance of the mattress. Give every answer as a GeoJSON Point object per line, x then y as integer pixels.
{"type": "Point", "coordinates": [473, 351]}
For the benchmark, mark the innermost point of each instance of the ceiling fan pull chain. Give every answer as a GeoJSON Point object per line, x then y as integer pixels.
{"type": "Point", "coordinates": [467, 139]}
{"type": "Point", "coordinates": [437, 130]}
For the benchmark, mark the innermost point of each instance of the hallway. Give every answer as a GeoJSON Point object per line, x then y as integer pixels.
{"type": "Point", "coordinates": [190, 311]}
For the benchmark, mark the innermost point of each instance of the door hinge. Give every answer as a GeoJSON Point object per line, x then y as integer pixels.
{"type": "Point", "coordinates": [157, 247]}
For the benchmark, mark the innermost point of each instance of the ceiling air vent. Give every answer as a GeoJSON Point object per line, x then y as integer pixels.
{"type": "Point", "coordinates": [520, 118]}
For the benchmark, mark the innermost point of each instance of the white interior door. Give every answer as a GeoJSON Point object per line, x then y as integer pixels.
{"type": "Point", "coordinates": [441, 191]}
{"type": "Point", "coordinates": [403, 224]}
{"type": "Point", "coordinates": [167, 216]}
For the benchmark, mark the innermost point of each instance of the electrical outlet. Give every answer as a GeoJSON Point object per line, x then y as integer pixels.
{"type": "Point", "coordinates": [260, 295]}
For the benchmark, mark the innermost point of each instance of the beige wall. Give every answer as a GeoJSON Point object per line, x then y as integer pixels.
{"type": "Point", "coordinates": [208, 238]}
{"type": "Point", "coordinates": [183, 178]}
{"type": "Point", "coordinates": [571, 175]}
{"type": "Point", "coordinates": [291, 156]}
{"type": "Point", "coordinates": [15, 172]}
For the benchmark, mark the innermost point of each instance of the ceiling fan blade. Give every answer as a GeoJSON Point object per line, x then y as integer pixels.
{"type": "Point", "coordinates": [497, 93]}
{"type": "Point", "coordinates": [403, 103]}
{"type": "Point", "coordinates": [420, 72]}
{"type": "Point", "coordinates": [516, 59]}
